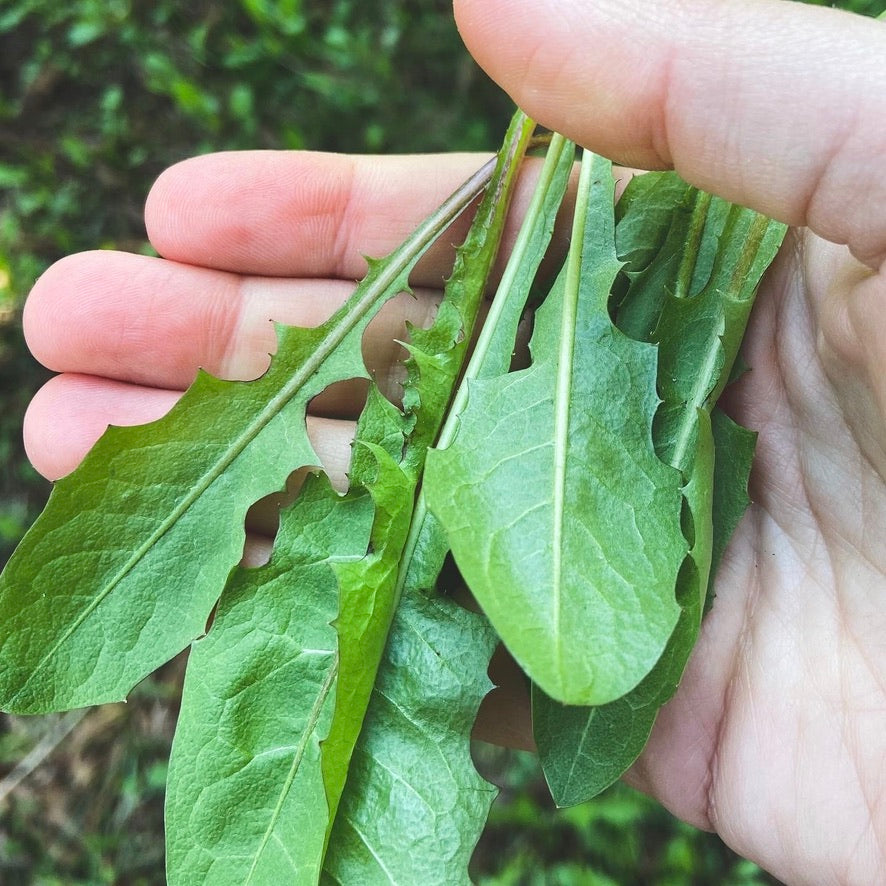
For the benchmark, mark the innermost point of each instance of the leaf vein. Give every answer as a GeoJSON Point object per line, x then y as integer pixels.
{"type": "Point", "coordinates": [310, 726]}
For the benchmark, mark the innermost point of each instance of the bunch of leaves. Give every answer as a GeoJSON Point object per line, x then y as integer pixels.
{"type": "Point", "coordinates": [330, 694]}
{"type": "Point", "coordinates": [85, 83]}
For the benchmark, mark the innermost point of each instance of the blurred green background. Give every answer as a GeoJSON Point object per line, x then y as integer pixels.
{"type": "Point", "coordinates": [96, 98]}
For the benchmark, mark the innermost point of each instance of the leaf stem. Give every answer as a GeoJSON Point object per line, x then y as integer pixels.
{"type": "Point", "coordinates": [693, 244]}
{"type": "Point", "coordinates": [564, 378]}
{"type": "Point", "coordinates": [510, 298]}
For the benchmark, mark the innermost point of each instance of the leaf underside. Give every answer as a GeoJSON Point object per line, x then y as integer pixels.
{"type": "Point", "coordinates": [86, 601]}
{"type": "Point", "coordinates": [694, 306]}
{"type": "Point", "coordinates": [561, 516]}
{"type": "Point", "coordinates": [258, 702]}
{"type": "Point", "coordinates": [414, 805]}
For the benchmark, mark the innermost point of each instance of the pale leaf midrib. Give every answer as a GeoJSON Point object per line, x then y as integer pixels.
{"type": "Point", "coordinates": [562, 403]}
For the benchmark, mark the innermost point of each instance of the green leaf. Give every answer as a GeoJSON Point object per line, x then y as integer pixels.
{"type": "Point", "coordinates": [652, 224]}
{"type": "Point", "coordinates": [414, 806]}
{"type": "Point", "coordinates": [561, 517]}
{"type": "Point", "coordinates": [493, 351]}
{"type": "Point", "coordinates": [258, 702]}
{"type": "Point", "coordinates": [86, 602]}
{"type": "Point", "coordinates": [698, 324]}
{"type": "Point", "coordinates": [343, 637]}
{"type": "Point", "coordinates": [367, 599]}
{"type": "Point", "coordinates": [667, 237]}
{"type": "Point", "coordinates": [699, 337]}
{"type": "Point", "coordinates": [437, 354]}
{"type": "Point", "coordinates": [583, 750]}
{"type": "Point", "coordinates": [371, 588]}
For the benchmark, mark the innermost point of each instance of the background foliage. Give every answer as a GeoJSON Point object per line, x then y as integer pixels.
{"type": "Point", "coordinates": [96, 98]}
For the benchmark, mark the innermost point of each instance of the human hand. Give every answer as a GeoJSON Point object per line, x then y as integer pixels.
{"type": "Point", "coordinates": [777, 736]}
{"type": "Point", "coordinates": [247, 238]}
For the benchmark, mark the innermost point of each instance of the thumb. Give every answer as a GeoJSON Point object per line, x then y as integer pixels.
{"type": "Point", "coordinates": [775, 105]}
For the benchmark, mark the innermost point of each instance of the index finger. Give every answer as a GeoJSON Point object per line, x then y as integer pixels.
{"type": "Point", "coordinates": [303, 214]}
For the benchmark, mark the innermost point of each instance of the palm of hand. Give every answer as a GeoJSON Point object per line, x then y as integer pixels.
{"type": "Point", "coordinates": [777, 732]}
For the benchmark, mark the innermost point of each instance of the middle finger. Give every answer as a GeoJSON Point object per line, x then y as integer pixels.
{"type": "Point", "coordinates": [153, 322]}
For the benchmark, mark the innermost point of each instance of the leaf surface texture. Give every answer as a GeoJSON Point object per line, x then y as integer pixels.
{"type": "Point", "coordinates": [562, 518]}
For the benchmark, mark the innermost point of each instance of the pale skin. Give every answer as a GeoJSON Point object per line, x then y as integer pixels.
{"type": "Point", "coordinates": [777, 736]}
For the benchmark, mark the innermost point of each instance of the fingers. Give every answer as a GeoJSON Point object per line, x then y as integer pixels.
{"type": "Point", "coordinates": [129, 332]}
{"type": "Point", "coordinates": [775, 105]}
{"type": "Point", "coordinates": [154, 323]}
{"type": "Point", "coordinates": [304, 214]}
{"type": "Point", "coordinates": [70, 412]}
{"type": "Point", "coordinates": [301, 214]}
